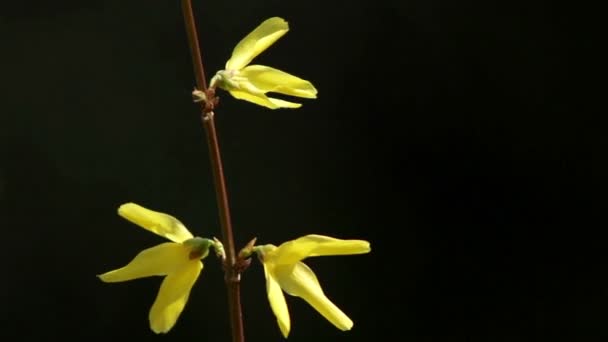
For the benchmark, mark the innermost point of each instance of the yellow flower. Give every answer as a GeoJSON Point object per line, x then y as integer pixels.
{"type": "Point", "coordinates": [252, 82]}
{"type": "Point", "coordinates": [179, 261]}
{"type": "Point", "coordinates": [284, 270]}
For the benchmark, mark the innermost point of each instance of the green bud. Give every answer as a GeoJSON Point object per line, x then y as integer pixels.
{"type": "Point", "coordinates": [199, 247]}
{"type": "Point", "coordinates": [248, 249]}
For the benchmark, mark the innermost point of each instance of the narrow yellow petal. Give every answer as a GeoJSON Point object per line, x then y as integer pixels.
{"type": "Point", "coordinates": [156, 261]}
{"type": "Point", "coordinates": [300, 281]}
{"type": "Point", "coordinates": [172, 296]}
{"type": "Point", "coordinates": [263, 100]}
{"type": "Point", "coordinates": [162, 224]}
{"type": "Point", "coordinates": [317, 245]}
{"type": "Point", "coordinates": [330, 246]}
{"type": "Point", "coordinates": [257, 41]}
{"type": "Point", "coordinates": [284, 104]}
{"type": "Point", "coordinates": [259, 99]}
{"type": "Point", "coordinates": [277, 301]}
{"type": "Point", "coordinates": [269, 79]}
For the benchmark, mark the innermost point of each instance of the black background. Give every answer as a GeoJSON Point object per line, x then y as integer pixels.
{"type": "Point", "coordinates": [459, 138]}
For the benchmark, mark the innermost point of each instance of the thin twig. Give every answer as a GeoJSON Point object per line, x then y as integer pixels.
{"type": "Point", "coordinates": [231, 271]}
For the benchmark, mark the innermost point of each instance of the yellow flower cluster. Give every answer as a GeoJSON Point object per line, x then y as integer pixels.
{"type": "Point", "coordinates": [179, 261]}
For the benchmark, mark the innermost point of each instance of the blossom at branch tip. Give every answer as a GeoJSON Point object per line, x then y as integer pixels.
{"type": "Point", "coordinates": [252, 82]}
{"type": "Point", "coordinates": [178, 261]}
{"type": "Point", "coordinates": [285, 271]}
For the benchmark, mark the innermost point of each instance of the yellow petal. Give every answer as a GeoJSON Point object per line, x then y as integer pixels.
{"type": "Point", "coordinates": [172, 296]}
{"type": "Point", "coordinates": [263, 100]}
{"type": "Point", "coordinates": [277, 301]}
{"type": "Point", "coordinates": [284, 104]}
{"type": "Point", "coordinates": [257, 41]}
{"type": "Point", "coordinates": [259, 99]}
{"type": "Point", "coordinates": [156, 261]}
{"type": "Point", "coordinates": [159, 223]}
{"type": "Point", "coordinates": [300, 281]}
{"type": "Point", "coordinates": [269, 79]}
{"type": "Point", "coordinates": [317, 245]}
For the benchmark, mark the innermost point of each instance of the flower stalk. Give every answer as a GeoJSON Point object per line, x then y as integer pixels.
{"type": "Point", "coordinates": [231, 267]}
{"type": "Point", "coordinates": [180, 260]}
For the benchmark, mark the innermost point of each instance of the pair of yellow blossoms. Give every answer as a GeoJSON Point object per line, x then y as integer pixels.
{"type": "Point", "coordinates": [180, 262]}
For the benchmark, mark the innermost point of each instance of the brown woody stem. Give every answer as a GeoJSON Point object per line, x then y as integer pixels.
{"type": "Point", "coordinates": [231, 269]}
